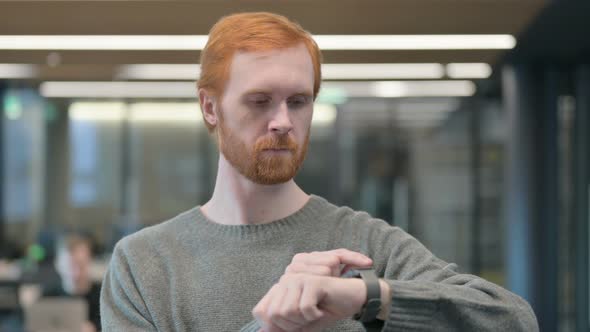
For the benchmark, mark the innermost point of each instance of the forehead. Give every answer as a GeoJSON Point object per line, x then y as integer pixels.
{"type": "Point", "coordinates": [282, 70]}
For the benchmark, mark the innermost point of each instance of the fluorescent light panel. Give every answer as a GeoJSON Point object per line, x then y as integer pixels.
{"type": "Point", "coordinates": [365, 71]}
{"type": "Point", "coordinates": [386, 89]}
{"type": "Point", "coordinates": [164, 112]}
{"type": "Point", "coordinates": [323, 115]}
{"type": "Point", "coordinates": [15, 71]}
{"type": "Point", "coordinates": [159, 72]}
{"type": "Point", "coordinates": [145, 112]}
{"type": "Point", "coordinates": [103, 42]}
{"type": "Point", "coordinates": [414, 42]}
{"type": "Point", "coordinates": [329, 71]}
{"type": "Point", "coordinates": [118, 89]}
{"type": "Point", "coordinates": [396, 89]}
{"type": "Point", "coordinates": [383, 71]}
{"type": "Point", "coordinates": [197, 42]}
{"type": "Point", "coordinates": [345, 71]}
{"type": "Point", "coordinates": [188, 113]}
{"type": "Point", "coordinates": [391, 89]}
{"type": "Point", "coordinates": [97, 111]}
{"type": "Point", "coordinates": [468, 70]}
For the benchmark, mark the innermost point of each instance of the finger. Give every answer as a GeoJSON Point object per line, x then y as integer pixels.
{"type": "Point", "coordinates": [308, 303]}
{"type": "Point", "coordinates": [261, 308]}
{"type": "Point", "coordinates": [334, 259]}
{"type": "Point", "coordinates": [319, 270]}
{"type": "Point", "coordinates": [290, 309]}
{"type": "Point", "coordinates": [277, 314]}
{"type": "Point", "coordinates": [329, 260]}
{"type": "Point", "coordinates": [349, 257]}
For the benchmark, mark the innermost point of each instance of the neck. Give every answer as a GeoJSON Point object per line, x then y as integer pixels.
{"type": "Point", "coordinates": [237, 200]}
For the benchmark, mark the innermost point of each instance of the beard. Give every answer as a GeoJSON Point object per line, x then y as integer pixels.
{"type": "Point", "coordinates": [261, 166]}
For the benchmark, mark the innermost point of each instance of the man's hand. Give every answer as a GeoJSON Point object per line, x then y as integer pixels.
{"type": "Point", "coordinates": [306, 302]}
{"type": "Point", "coordinates": [328, 263]}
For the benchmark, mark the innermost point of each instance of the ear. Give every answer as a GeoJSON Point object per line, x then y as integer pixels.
{"type": "Point", "coordinates": [208, 104]}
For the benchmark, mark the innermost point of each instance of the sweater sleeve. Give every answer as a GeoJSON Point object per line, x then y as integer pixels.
{"type": "Point", "coordinates": [252, 326]}
{"type": "Point", "coordinates": [122, 307]}
{"type": "Point", "coordinates": [428, 294]}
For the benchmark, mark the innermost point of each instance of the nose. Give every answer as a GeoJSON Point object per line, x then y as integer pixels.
{"type": "Point", "coordinates": [281, 122]}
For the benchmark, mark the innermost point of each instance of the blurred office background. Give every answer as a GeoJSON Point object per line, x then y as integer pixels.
{"type": "Point", "coordinates": [475, 140]}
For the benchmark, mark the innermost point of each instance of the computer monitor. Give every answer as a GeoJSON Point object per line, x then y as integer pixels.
{"type": "Point", "coordinates": [52, 314]}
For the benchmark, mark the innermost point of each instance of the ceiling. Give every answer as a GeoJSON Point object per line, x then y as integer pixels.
{"type": "Point", "coordinates": [557, 36]}
{"type": "Point", "coordinates": [196, 17]}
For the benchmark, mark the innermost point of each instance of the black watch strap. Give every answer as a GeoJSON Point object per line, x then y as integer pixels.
{"type": "Point", "coordinates": [372, 306]}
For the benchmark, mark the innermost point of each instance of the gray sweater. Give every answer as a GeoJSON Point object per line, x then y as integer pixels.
{"type": "Point", "coordinates": [191, 274]}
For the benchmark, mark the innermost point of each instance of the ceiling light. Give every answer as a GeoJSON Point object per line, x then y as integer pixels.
{"type": "Point", "coordinates": [367, 71]}
{"type": "Point", "coordinates": [414, 42]}
{"type": "Point", "coordinates": [177, 113]}
{"type": "Point", "coordinates": [344, 71]}
{"type": "Point", "coordinates": [102, 42]}
{"type": "Point", "coordinates": [396, 89]}
{"type": "Point", "coordinates": [159, 72]}
{"type": "Point", "coordinates": [197, 42]}
{"type": "Point", "coordinates": [15, 71]}
{"type": "Point", "coordinates": [323, 115]}
{"type": "Point", "coordinates": [97, 111]}
{"type": "Point", "coordinates": [386, 89]}
{"type": "Point", "coordinates": [118, 89]}
{"type": "Point", "coordinates": [393, 89]}
{"type": "Point", "coordinates": [469, 70]}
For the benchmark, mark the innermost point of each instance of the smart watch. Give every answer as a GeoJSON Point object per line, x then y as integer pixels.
{"type": "Point", "coordinates": [372, 306]}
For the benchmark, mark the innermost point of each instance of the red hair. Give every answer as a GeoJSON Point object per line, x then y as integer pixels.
{"type": "Point", "coordinates": [251, 32]}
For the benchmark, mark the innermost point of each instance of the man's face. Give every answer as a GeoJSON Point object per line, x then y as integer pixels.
{"type": "Point", "coordinates": [74, 268]}
{"type": "Point", "coordinates": [266, 112]}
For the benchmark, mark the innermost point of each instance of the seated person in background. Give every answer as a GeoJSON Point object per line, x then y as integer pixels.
{"type": "Point", "coordinates": [72, 262]}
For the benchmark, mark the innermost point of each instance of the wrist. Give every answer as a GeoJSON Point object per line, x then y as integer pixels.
{"type": "Point", "coordinates": [372, 294]}
{"type": "Point", "coordinates": [385, 300]}
{"type": "Point", "coordinates": [358, 294]}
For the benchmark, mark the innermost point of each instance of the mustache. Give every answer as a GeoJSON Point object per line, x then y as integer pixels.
{"type": "Point", "coordinates": [283, 142]}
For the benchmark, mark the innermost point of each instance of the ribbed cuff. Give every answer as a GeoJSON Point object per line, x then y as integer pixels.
{"type": "Point", "coordinates": [413, 307]}
{"type": "Point", "coordinates": [251, 327]}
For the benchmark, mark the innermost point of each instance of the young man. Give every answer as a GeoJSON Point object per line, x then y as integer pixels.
{"type": "Point", "coordinates": [72, 263]}
{"type": "Point", "coordinates": [262, 254]}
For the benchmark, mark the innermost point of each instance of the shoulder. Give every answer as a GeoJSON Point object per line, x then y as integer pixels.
{"type": "Point", "coordinates": [353, 226]}
{"type": "Point", "coordinates": [149, 240]}
{"type": "Point", "coordinates": [343, 216]}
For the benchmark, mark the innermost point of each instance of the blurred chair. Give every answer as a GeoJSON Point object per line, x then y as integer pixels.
{"type": "Point", "coordinates": [11, 314]}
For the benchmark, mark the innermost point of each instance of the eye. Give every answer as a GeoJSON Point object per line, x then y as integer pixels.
{"type": "Point", "coordinates": [298, 101]}
{"type": "Point", "coordinates": [259, 101]}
